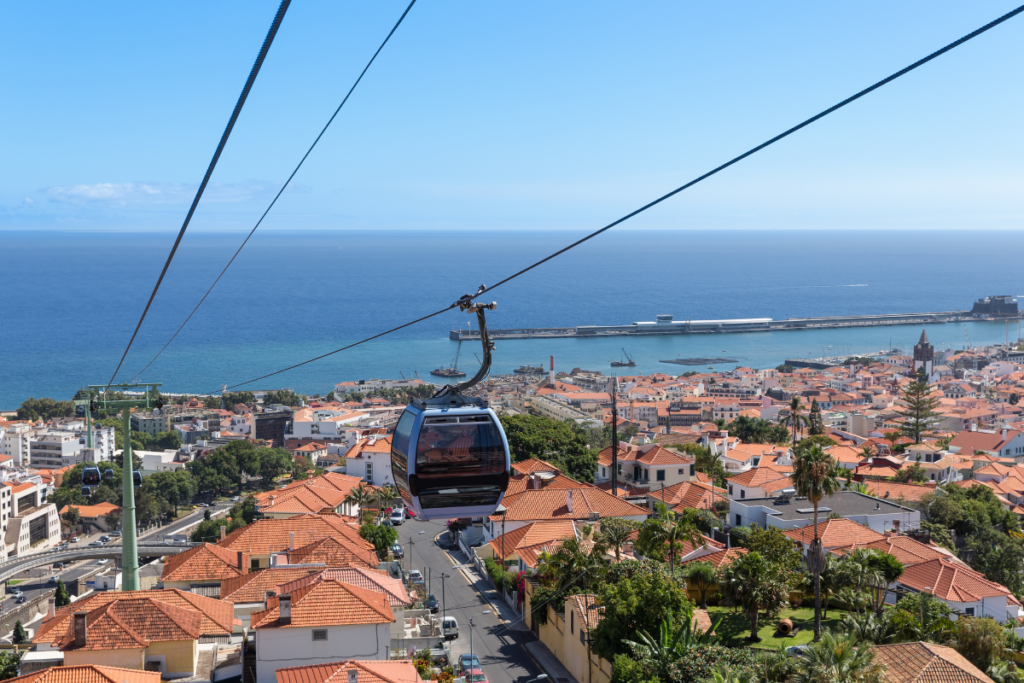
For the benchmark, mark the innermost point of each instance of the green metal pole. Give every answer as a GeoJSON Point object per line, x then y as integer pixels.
{"type": "Point", "coordinates": [129, 548]}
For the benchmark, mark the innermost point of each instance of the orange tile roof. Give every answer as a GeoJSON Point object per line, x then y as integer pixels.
{"type": "Point", "coordinates": [534, 465]}
{"type": "Point", "coordinates": [253, 587]}
{"type": "Point", "coordinates": [537, 533]}
{"type": "Point", "coordinates": [368, 671]}
{"type": "Point", "coordinates": [951, 581]}
{"type": "Point", "coordinates": [206, 562]}
{"type": "Point", "coordinates": [99, 510]}
{"type": "Point", "coordinates": [720, 558]}
{"type": "Point", "coordinates": [327, 603]}
{"type": "Point", "coordinates": [835, 533]}
{"type": "Point", "coordinates": [923, 662]}
{"type": "Point", "coordinates": [369, 579]}
{"type": "Point", "coordinates": [216, 616]}
{"type": "Point", "coordinates": [689, 494]}
{"type": "Point", "coordinates": [131, 623]}
{"type": "Point", "coordinates": [755, 477]}
{"type": "Point", "coordinates": [266, 536]}
{"type": "Point", "coordinates": [519, 484]}
{"type": "Point", "coordinates": [88, 673]}
{"type": "Point", "coordinates": [903, 548]}
{"type": "Point", "coordinates": [891, 490]}
{"type": "Point", "coordinates": [335, 552]}
{"type": "Point", "coordinates": [533, 505]}
{"type": "Point", "coordinates": [657, 455]}
{"type": "Point", "coordinates": [588, 613]}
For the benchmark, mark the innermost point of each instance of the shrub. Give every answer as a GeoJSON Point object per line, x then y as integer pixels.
{"type": "Point", "coordinates": [701, 659]}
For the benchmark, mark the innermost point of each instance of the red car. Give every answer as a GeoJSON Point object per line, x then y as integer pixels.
{"type": "Point", "coordinates": [475, 676]}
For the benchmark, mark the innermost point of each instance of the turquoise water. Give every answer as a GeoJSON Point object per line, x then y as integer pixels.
{"type": "Point", "coordinates": [69, 301]}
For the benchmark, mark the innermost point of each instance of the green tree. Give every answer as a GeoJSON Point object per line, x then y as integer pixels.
{"type": "Point", "coordinates": [285, 397]}
{"type": "Point", "coordinates": [209, 529]}
{"type": "Point", "coordinates": [615, 533]}
{"type": "Point", "coordinates": [666, 532]}
{"type": "Point", "coordinates": [380, 536]}
{"type": "Point", "coordinates": [774, 546]}
{"type": "Point", "coordinates": [61, 598]}
{"type": "Point", "coordinates": [177, 488]}
{"type": "Point", "coordinates": [837, 659]}
{"type": "Point", "coordinates": [361, 496]}
{"type": "Point", "coordinates": [113, 519]}
{"type": "Point", "coordinates": [703, 576]}
{"type": "Point", "coordinates": [531, 436]}
{"type": "Point", "coordinates": [794, 420]}
{"type": "Point", "coordinates": [814, 478]}
{"type": "Point", "coordinates": [675, 638]}
{"type": "Point", "coordinates": [756, 585]}
{"type": "Point", "coordinates": [816, 425]}
{"type": "Point", "coordinates": [920, 415]}
{"type": "Point", "coordinates": [274, 462]}
{"type": "Point", "coordinates": [70, 518]}
{"type": "Point", "coordinates": [9, 663]}
{"type": "Point", "coordinates": [245, 510]}
{"type": "Point", "coordinates": [231, 399]}
{"type": "Point", "coordinates": [999, 557]}
{"type": "Point", "coordinates": [786, 369]}
{"type": "Point", "coordinates": [44, 409]}
{"type": "Point", "coordinates": [217, 472]}
{"type": "Point", "coordinates": [915, 474]}
{"type": "Point", "coordinates": [20, 637]}
{"type": "Point", "coordinates": [809, 442]}
{"type": "Point", "coordinates": [301, 467]}
{"type": "Point", "coordinates": [981, 640]}
{"type": "Point", "coordinates": [635, 596]}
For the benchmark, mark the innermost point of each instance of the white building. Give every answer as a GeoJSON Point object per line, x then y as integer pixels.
{"type": "Point", "coordinates": [791, 513]}
{"type": "Point", "coordinates": [15, 441]}
{"type": "Point", "coordinates": [29, 523]}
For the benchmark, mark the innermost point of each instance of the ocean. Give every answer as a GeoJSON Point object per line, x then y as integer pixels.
{"type": "Point", "coordinates": [69, 300]}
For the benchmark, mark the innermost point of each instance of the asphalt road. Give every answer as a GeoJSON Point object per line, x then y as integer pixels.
{"type": "Point", "coordinates": [500, 649]}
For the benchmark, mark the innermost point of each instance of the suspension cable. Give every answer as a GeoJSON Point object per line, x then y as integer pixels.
{"type": "Point", "coordinates": [274, 201]}
{"type": "Point", "coordinates": [209, 171]}
{"type": "Point", "coordinates": [483, 290]}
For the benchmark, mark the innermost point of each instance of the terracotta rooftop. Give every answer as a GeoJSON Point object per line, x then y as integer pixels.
{"type": "Point", "coordinates": [88, 673]}
{"type": "Point", "coordinates": [534, 534]}
{"type": "Point", "coordinates": [588, 613]}
{"type": "Point", "coordinates": [689, 494]}
{"type": "Point", "coordinates": [206, 562]}
{"type": "Point", "coordinates": [835, 533]}
{"type": "Point", "coordinates": [951, 581]}
{"type": "Point", "coordinates": [923, 662]}
{"type": "Point", "coordinates": [894, 491]}
{"type": "Point", "coordinates": [369, 579]}
{"type": "Point", "coordinates": [903, 548]}
{"type": "Point", "coordinates": [649, 455]}
{"type": "Point", "coordinates": [335, 552]}
{"type": "Point", "coordinates": [134, 622]}
{"type": "Point", "coordinates": [755, 477]}
{"type": "Point", "coordinates": [266, 536]}
{"type": "Point", "coordinates": [534, 465]}
{"type": "Point", "coordinates": [368, 671]}
{"type": "Point", "coordinates": [534, 505]}
{"type": "Point", "coordinates": [99, 510]}
{"type": "Point", "coordinates": [327, 603]}
{"type": "Point", "coordinates": [216, 616]}
{"type": "Point", "coordinates": [720, 558]}
{"type": "Point", "coordinates": [253, 587]}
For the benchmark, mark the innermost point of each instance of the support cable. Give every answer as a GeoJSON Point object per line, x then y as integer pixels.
{"type": "Point", "coordinates": [483, 290]}
{"type": "Point", "coordinates": [278, 195]}
{"type": "Point", "coordinates": [209, 171]}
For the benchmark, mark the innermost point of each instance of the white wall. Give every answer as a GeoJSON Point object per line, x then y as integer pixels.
{"type": "Point", "coordinates": [277, 648]}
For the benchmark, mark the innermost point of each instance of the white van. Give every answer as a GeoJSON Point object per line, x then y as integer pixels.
{"type": "Point", "coordinates": [449, 628]}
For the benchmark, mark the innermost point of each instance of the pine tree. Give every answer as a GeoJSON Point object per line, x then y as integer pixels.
{"type": "Point", "coordinates": [19, 637]}
{"type": "Point", "coordinates": [816, 424]}
{"type": "Point", "coordinates": [920, 412]}
{"type": "Point", "coordinates": [62, 598]}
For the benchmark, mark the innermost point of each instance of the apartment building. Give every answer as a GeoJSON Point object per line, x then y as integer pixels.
{"type": "Point", "coordinates": [15, 442]}
{"type": "Point", "coordinates": [29, 523]}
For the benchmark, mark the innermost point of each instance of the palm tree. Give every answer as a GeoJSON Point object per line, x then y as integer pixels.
{"type": "Point", "coordinates": [794, 419]}
{"type": "Point", "coordinates": [893, 438]}
{"type": "Point", "coordinates": [723, 673]}
{"type": "Point", "coordinates": [837, 659]}
{"type": "Point", "coordinates": [672, 642]}
{"type": "Point", "coordinates": [361, 497]}
{"type": "Point", "coordinates": [1000, 672]}
{"type": "Point", "coordinates": [869, 628]}
{"type": "Point", "coordinates": [703, 576]}
{"type": "Point", "coordinates": [666, 528]}
{"type": "Point", "coordinates": [385, 494]}
{"type": "Point", "coordinates": [755, 584]}
{"type": "Point", "coordinates": [574, 561]}
{"type": "Point", "coordinates": [615, 533]}
{"type": "Point", "coordinates": [814, 478]}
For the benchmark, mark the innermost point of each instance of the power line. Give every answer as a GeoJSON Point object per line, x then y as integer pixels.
{"type": "Point", "coordinates": [274, 201]}
{"type": "Point", "coordinates": [209, 171]}
{"type": "Point", "coordinates": [483, 290]}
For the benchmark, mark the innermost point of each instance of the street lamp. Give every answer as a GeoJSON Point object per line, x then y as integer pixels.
{"type": "Point", "coordinates": [501, 510]}
{"type": "Point", "coordinates": [444, 607]}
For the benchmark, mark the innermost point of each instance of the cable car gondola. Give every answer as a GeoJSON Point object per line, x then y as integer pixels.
{"type": "Point", "coordinates": [449, 454]}
{"type": "Point", "coordinates": [91, 476]}
{"type": "Point", "coordinates": [108, 473]}
{"type": "Point", "coordinates": [86, 491]}
{"type": "Point", "coordinates": [137, 478]}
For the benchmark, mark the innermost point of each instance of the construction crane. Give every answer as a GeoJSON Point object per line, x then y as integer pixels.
{"type": "Point", "coordinates": [967, 339]}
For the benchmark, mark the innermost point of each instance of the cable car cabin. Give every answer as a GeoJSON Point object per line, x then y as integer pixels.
{"type": "Point", "coordinates": [108, 474]}
{"type": "Point", "coordinates": [91, 476]}
{"type": "Point", "coordinates": [450, 458]}
{"type": "Point", "coordinates": [86, 491]}
{"type": "Point", "coordinates": [137, 478]}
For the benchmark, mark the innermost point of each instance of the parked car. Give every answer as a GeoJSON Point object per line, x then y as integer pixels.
{"type": "Point", "coordinates": [397, 516]}
{"type": "Point", "coordinates": [15, 591]}
{"type": "Point", "coordinates": [95, 544]}
{"type": "Point", "coordinates": [431, 604]}
{"type": "Point", "coordinates": [467, 662]}
{"type": "Point", "coordinates": [211, 504]}
{"type": "Point", "coordinates": [53, 579]}
{"type": "Point", "coordinates": [415, 576]}
{"type": "Point", "coordinates": [236, 499]}
{"type": "Point", "coordinates": [21, 599]}
{"type": "Point", "coordinates": [74, 539]}
{"type": "Point", "coordinates": [475, 676]}
{"type": "Point", "coordinates": [397, 550]}
{"type": "Point", "coordinates": [58, 565]}
{"type": "Point", "coordinates": [105, 539]}
{"type": "Point", "coordinates": [104, 561]}
{"type": "Point", "coordinates": [449, 628]}
{"type": "Point", "coordinates": [115, 534]}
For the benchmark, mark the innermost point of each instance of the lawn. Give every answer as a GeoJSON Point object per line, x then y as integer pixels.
{"type": "Point", "coordinates": [735, 626]}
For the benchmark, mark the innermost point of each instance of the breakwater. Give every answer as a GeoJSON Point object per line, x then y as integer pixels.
{"type": "Point", "coordinates": [667, 325]}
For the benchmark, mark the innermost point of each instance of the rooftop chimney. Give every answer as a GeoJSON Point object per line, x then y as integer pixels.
{"type": "Point", "coordinates": [285, 616]}
{"type": "Point", "coordinates": [568, 499]}
{"type": "Point", "coordinates": [1004, 433]}
{"type": "Point", "coordinates": [79, 629]}
{"type": "Point", "coordinates": [551, 374]}
{"type": "Point", "coordinates": [223, 532]}
{"type": "Point", "coordinates": [291, 541]}
{"type": "Point", "coordinates": [51, 607]}
{"type": "Point", "coordinates": [353, 675]}
{"type": "Point", "coordinates": [240, 563]}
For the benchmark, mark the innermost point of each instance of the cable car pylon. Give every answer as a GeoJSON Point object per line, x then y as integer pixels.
{"type": "Point", "coordinates": [96, 401]}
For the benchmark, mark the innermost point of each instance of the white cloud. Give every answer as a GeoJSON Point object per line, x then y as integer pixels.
{"type": "Point", "coordinates": [126, 194]}
{"type": "Point", "coordinates": [28, 200]}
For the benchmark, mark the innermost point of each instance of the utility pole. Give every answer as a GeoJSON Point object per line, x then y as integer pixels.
{"type": "Point", "coordinates": [149, 400]}
{"type": "Point", "coordinates": [444, 605]}
{"type": "Point", "coordinates": [471, 639]}
{"type": "Point", "coordinates": [615, 436]}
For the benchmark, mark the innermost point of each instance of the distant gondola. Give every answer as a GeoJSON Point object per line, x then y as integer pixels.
{"type": "Point", "coordinates": [137, 477]}
{"type": "Point", "coordinates": [108, 474]}
{"type": "Point", "coordinates": [91, 476]}
{"type": "Point", "coordinates": [86, 491]}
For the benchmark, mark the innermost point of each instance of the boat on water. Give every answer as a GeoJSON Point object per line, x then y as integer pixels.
{"type": "Point", "coordinates": [529, 370]}
{"type": "Point", "coordinates": [451, 371]}
{"type": "Point", "coordinates": [626, 361]}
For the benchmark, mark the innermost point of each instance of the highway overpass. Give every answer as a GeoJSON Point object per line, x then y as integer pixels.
{"type": "Point", "coordinates": [14, 566]}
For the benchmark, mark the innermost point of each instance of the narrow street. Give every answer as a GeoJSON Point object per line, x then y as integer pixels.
{"type": "Point", "coordinates": [499, 647]}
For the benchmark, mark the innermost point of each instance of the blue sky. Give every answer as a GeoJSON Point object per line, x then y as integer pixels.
{"type": "Point", "coordinates": [515, 115]}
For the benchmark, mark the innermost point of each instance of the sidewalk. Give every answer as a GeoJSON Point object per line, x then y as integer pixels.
{"type": "Point", "coordinates": [549, 663]}
{"type": "Point", "coordinates": [483, 586]}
